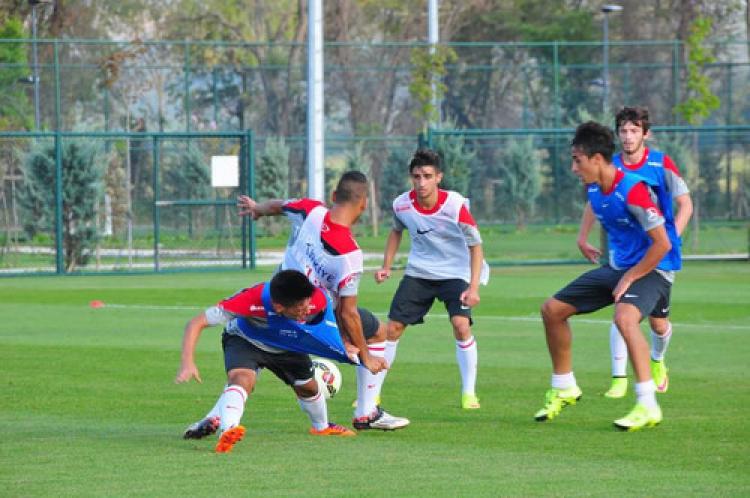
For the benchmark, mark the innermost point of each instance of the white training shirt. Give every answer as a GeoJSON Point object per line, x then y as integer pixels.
{"type": "Point", "coordinates": [324, 251]}
{"type": "Point", "coordinates": [440, 237]}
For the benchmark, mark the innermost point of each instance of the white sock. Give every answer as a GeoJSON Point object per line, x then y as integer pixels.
{"type": "Point", "coordinates": [645, 393]}
{"type": "Point", "coordinates": [563, 381]}
{"type": "Point", "coordinates": [216, 410]}
{"type": "Point", "coordinates": [390, 356]}
{"type": "Point", "coordinates": [466, 355]}
{"type": "Point", "coordinates": [619, 351]}
{"type": "Point", "coordinates": [659, 344]}
{"type": "Point", "coordinates": [390, 351]}
{"type": "Point", "coordinates": [316, 410]}
{"type": "Point", "coordinates": [232, 406]}
{"type": "Point", "coordinates": [368, 384]}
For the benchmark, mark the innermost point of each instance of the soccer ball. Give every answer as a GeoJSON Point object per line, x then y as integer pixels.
{"type": "Point", "coordinates": [328, 376]}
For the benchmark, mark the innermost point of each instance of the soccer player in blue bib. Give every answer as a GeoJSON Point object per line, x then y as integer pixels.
{"type": "Point", "coordinates": [640, 247]}
{"type": "Point", "coordinates": [663, 177]}
{"type": "Point", "coordinates": [271, 325]}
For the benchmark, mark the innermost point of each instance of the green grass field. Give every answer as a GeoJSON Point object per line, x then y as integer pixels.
{"type": "Point", "coordinates": [88, 406]}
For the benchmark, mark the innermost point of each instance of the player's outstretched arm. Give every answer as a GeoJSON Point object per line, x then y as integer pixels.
{"type": "Point", "coordinates": [391, 246]}
{"type": "Point", "coordinates": [351, 324]}
{"type": "Point", "coordinates": [188, 370]}
{"type": "Point", "coordinates": [587, 221]}
{"type": "Point", "coordinates": [660, 246]}
{"type": "Point", "coordinates": [247, 206]}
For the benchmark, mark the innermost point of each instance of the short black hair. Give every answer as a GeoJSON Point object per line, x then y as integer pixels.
{"type": "Point", "coordinates": [288, 287]}
{"type": "Point", "coordinates": [352, 187]}
{"type": "Point", "coordinates": [636, 115]}
{"type": "Point", "coordinates": [594, 138]}
{"type": "Point", "coordinates": [425, 157]}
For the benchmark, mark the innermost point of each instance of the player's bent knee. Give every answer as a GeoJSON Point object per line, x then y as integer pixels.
{"type": "Point", "coordinates": [380, 336]}
{"type": "Point", "coordinates": [395, 330]}
{"type": "Point", "coordinates": [242, 377]}
{"type": "Point", "coordinates": [307, 390]}
{"type": "Point", "coordinates": [555, 310]}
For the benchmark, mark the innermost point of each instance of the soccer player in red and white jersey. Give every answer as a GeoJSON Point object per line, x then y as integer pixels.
{"type": "Point", "coordinates": [633, 129]}
{"type": "Point", "coordinates": [445, 263]}
{"type": "Point", "coordinates": [322, 246]}
{"type": "Point", "coordinates": [292, 296]}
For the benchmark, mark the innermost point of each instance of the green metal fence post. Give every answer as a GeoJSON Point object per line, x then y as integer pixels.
{"type": "Point", "coordinates": [675, 78]}
{"type": "Point", "coordinates": [251, 189]}
{"type": "Point", "coordinates": [187, 85]}
{"type": "Point", "coordinates": [58, 121]}
{"type": "Point", "coordinates": [157, 210]}
{"type": "Point", "coordinates": [556, 145]}
{"type": "Point", "coordinates": [59, 263]}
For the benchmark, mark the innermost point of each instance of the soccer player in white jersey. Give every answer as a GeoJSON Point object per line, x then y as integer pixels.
{"type": "Point", "coordinates": [445, 263]}
{"type": "Point", "coordinates": [633, 129]}
{"type": "Point", "coordinates": [323, 247]}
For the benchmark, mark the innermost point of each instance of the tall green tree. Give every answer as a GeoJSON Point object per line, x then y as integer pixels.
{"type": "Point", "coordinates": [83, 168]}
{"type": "Point", "coordinates": [522, 180]}
{"type": "Point", "coordinates": [272, 177]}
{"type": "Point", "coordinates": [16, 112]}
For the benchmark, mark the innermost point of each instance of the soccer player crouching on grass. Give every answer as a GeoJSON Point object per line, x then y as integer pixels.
{"type": "Point", "coordinates": [288, 298]}
{"type": "Point", "coordinates": [663, 177]}
{"type": "Point", "coordinates": [322, 246]}
{"type": "Point", "coordinates": [445, 263]}
{"type": "Point", "coordinates": [639, 244]}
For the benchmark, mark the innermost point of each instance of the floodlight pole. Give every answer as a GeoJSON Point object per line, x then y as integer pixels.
{"type": "Point", "coordinates": [606, 9]}
{"type": "Point", "coordinates": [433, 35]}
{"type": "Point", "coordinates": [35, 68]}
{"type": "Point", "coordinates": [315, 111]}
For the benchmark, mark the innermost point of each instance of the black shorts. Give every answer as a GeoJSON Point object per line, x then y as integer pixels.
{"type": "Point", "coordinates": [291, 368]}
{"type": "Point", "coordinates": [370, 323]}
{"type": "Point", "coordinates": [415, 296]}
{"type": "Point", "coordinates": [593, 291]}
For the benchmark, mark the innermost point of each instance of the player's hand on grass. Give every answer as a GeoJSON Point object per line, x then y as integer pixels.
{"type": "Point", "coordinates": [382, 275]}
{"type": "Point", "coordinates": [186, 373]}
{"type": "Point", "coordinates": [470, 298]}
{"type": "Point", "coordinates": [247, 207]}
{"type": "Point", "coordinates": [589, 252]}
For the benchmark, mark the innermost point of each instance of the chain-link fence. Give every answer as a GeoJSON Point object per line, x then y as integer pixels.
{"type": "Point", "coordinates": [506, 100]}
{"type": "Point", "coordinates": [124, 201]}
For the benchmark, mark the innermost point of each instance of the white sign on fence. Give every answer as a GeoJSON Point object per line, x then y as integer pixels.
{"type": "Point", "coordinates": [225, 171]}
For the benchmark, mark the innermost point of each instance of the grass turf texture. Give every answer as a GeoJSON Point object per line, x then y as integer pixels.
{"type": "Point", "coordinates": [88, 407]}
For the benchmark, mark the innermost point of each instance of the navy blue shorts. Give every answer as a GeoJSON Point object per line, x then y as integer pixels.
{"type": "Point", "coordinates": [593, 291]}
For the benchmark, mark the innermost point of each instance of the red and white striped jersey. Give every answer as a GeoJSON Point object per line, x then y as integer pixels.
{"type": "Point", "coordinates": [323, 250]}
{"type": "Point", "coordinates": [440, 237]}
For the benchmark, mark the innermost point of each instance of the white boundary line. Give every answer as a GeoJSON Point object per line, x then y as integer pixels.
{"type": "Point", "coordinates": [442, 315]}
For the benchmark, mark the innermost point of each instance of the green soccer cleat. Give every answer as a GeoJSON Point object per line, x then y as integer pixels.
{"type": "Point", "coordinates": [469, 401]}
{"type": "Point", "coordinates": [618, 389]}
{"type": "Point", "coordinates": [639, 417]}
{"type": "Point", "coordinates": [556, 400]}
{"type": "Point", "coordinates": [659, 372]}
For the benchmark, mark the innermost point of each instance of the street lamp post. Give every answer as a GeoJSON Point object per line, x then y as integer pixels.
{"type": "Point", "coordinates": [35, 62]}
{"type": "Point", "coordinates": [606, 9]}
{"type": "Point", "coordinates": [35, 68]}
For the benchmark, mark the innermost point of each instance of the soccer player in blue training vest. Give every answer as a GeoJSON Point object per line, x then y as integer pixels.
{"type": "Point", "coordinates": [253, 319]}
{"type": "Point", "coordinates": [323, 247]}
{"type": "Point", "coordinates": [640, 244]}
{"type": "Point", "coordinates": [663, 177]}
